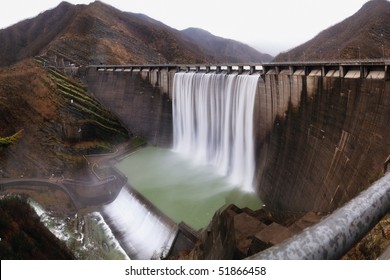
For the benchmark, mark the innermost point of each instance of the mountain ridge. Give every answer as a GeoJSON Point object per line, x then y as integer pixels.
{"type": "Point", "coordinates": [363, 35]}
{"type": "Point", "coordinates": [99, 33]}
{"type": "Point", "coordinates": [214, 45]}
{"type": "Point", "coordinates": [19, 40]}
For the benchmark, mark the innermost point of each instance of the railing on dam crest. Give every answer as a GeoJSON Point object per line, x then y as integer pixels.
{"type": "Point", "coordinates": [370, 68]}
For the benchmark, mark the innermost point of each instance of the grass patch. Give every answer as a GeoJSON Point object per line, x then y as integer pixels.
{"type": "Point", "coordinates": [10, 140]}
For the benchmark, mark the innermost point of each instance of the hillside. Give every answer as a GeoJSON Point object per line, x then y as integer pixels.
{"type": "Point", "coordinates": [98, 33]}
{"type": "Point", "coordinates": [225, 50]}
{"type": "Point", "coordinates": [366, 34]}
{"type": "Point", "coordinates": [29, 37]}
{"type": "Point", "coordinates": [47, 121]}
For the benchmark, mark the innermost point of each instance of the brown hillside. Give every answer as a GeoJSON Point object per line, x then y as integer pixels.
{"type": "Point", "coordinates": [100, 33]}
{"type": "Point", "coordinates": [47, 121]}
{"type": "Point", "coordinates": [365, 35]}
{"type": "Point", "coordinates": [29, 37]}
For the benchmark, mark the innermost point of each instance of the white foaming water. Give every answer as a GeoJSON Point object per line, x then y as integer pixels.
{"type": "Point", "coordinates": [108, 232]}
{"type": "Point", "coordinates": [143, 235]}
{"type": "Point", "coordinates": [58, 229]}
{"type": "Point", "coordinates": [213, 122]}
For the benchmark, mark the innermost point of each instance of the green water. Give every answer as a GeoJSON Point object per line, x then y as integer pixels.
{"type": "Point", "coordinates": [182, 190]}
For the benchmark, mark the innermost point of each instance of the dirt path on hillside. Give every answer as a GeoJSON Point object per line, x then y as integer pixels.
{"type": "Point", "coordinates": [65, 195]}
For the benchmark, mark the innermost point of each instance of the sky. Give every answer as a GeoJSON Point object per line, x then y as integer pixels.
{"type": "Point", "coordinates": [270, 26]}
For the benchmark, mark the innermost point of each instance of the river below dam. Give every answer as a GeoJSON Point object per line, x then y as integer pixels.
{"type": "Point", "coordinates": [181, 189]}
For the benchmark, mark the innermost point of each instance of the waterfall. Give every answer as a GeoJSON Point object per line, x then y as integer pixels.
{"type": "Point", "coordinates": [213, 122]}
{"type": "Point", "coordinates": [143, 234]}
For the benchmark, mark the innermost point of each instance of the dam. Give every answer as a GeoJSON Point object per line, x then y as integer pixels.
{"type": "Point", "coordinates": [320, 130]}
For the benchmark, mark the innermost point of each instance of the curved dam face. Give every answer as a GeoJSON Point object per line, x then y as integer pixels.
{"type": "Point", "coordinates": [327, 140]}
{"type": "Point", "coordinates": [319, 139]}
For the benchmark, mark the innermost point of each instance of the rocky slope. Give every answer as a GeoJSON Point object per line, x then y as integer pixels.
{"type": "Point", "coordinates": [366, 34]}
{"type": "Point", "coordinates": [47, 121]}
{"type": "Point", "coordinates": [98, 33]}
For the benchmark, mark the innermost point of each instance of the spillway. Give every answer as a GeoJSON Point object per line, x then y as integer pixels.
{"type": "Point", "coordinates": [142, 234]}
{"type": "Point", "coordinates": [213, 122]}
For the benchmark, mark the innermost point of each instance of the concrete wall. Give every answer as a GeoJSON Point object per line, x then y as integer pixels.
{"type": "Point", "coordinates": [319, 140]}
{"type": "Point", "coordinates": [329, 144]}
{"type": "Point", "coordinates": [161, 79]}
{"type": "Point", "coordinates": [142, 107]}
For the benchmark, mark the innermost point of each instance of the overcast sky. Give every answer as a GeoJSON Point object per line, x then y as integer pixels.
{"type": "Point", "coordinates": [270, 26]}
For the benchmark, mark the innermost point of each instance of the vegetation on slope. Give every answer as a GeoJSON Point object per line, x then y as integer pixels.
{"type": "Point", "coordinates": [373, 244]}
{"type": "Point", "coordinates": [79, 99]}
{"type": "Point", "coordinates": [60, 121]}
{"type": "Point", "coordinates": [24, 237]}
{"type": "Point", "coordinates": [10, 140]}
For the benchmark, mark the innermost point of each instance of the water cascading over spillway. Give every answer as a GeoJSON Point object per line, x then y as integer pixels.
{"type": "Point", "coordinates": [143, 234]}
{"type": "Point", "coordinates": [213, 122]}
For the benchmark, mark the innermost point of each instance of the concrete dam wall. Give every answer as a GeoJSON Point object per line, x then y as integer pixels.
{"type": "Point", "coordinates": [324, 140]}
{"type": "Point", "coordinates": [143, 106]}
{"type": "Point", "coordinates": [321, 138]}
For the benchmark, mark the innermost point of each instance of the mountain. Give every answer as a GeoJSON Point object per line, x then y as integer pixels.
{"type": "Point", "coordinates": [98, 33]}
{"type": "Point", "coordinates": [29, 37]}
{"type": "Point", "coordinates": [366, 34]}
{"type": "Point", "coordinates": [226, 50]}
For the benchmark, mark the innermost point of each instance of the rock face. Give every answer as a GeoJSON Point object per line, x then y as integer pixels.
{"type": "Point", "coordinates": [245, 227]}
{"type": "Point", "coordinates": [270, 236]}
{"type": "Point", "coordinates": [218, 242]}
{"type": "Point", "coordinates": [236, 233]}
